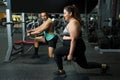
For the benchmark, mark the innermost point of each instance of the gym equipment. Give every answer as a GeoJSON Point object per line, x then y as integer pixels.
{"type": "Point", "coordinates": [92, 36]}
{"type": "Point", "coordinates": [101, 51]}
{"type": "Point", "coordinates": [12, 48]}
{"type": "Point", "coordinates": [109, 43]}
{"type": "Point", "coordinates": [104, 43]}
{"type": "Point", "coordinates": [31, 25]}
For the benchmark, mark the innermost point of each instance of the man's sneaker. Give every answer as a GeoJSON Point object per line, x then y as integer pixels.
{"type": "Point", "coordinates": [60, 74]}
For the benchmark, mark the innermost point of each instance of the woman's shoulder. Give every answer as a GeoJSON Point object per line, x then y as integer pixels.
{"type": "Point", "coordinates": [74, 22]}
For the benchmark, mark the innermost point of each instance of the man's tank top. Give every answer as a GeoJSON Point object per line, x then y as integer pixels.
{"type": "Point", "coordinates": [49, 36]}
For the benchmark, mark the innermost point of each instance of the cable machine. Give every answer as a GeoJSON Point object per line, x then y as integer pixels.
{"type": "Point", "coordinates": [10, 32]}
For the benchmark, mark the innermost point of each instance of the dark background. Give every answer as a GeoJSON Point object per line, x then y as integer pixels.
{"type": "Point", "coordinates": [51, 6]}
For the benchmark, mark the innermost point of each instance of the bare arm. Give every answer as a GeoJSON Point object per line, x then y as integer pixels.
{"type": "Point", "coordinates": [32, 30]}
{"type": "Point", "coordinates": [41, 28]}
{"type": "Point", "coordinates": [74, 30]}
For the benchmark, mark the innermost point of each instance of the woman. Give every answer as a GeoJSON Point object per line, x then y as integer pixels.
{"type": "Point", "coordinates": [73, 44]}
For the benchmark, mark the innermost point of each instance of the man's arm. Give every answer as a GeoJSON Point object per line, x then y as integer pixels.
{"type": "Point", "coordinates": [42, 27]}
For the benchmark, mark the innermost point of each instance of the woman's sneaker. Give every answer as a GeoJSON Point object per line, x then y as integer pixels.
{"type": "Point", "coordinates": [60, 73]}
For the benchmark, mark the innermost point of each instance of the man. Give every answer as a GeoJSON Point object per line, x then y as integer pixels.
{"type": "Point", "coordinates": [49, 36]}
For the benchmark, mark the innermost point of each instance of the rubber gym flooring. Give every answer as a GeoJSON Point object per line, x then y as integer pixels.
{"type": "Point", "coordinates": [22, 67]}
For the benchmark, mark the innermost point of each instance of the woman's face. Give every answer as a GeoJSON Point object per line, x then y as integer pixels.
{"type": "Point", "coordinates": [67, 15]}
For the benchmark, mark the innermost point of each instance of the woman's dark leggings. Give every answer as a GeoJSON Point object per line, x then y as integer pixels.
{"type": "Point", "coordinates": [79, 55]}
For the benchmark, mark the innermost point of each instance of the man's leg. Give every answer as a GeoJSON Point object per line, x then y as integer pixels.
{"type": "Point", "coordinates": [37, 41]}
{"type": "Point", "coordinates": [51, 46]}
{"type": "Point", "coordinates": [51, 52]}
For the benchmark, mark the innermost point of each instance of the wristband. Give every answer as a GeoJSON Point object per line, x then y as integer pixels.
{"type": "Point", "coordinates": [30, 34]}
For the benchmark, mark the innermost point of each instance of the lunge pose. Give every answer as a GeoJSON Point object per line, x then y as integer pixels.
{"type": "Point", "coordinates": [73, 45]}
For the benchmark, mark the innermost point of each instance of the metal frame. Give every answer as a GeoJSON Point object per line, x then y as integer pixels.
{"type": "Point", "coordinates": [101, 51]}
{"type": "Point", "coordinates": [9, 30]}
{"type": "Point", "coordinates": [23, 26]}
{"type": "Point", "coordinates": [9, 34]}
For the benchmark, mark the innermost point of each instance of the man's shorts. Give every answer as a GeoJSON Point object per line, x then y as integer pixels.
{"type": "Point", "coordinates": [52, 42]}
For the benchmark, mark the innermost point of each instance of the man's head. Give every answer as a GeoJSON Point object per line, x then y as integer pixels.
{"type": "Point", "coordinates": [44, 15]}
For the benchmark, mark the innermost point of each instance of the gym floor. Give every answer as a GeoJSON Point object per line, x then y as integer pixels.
{"type": "Point", "coordinates": [22, 67]}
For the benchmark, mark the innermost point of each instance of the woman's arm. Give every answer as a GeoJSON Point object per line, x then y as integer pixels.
{"type": "Point", "coordinates": [74, 30]}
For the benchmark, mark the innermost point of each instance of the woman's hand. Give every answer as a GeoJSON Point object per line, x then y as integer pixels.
{"type": "Point", "coordinates": [69, 57]}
